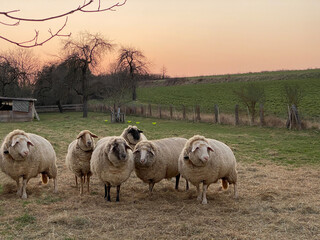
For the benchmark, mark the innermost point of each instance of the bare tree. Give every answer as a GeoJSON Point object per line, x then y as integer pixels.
{"type": "Point", "coordinates": [11, 20]}
{"type": "Point", "coordinates": [293, 94]}
{"type": "Point", "coordinates": [83, 55]}
{"type": "Point", "coordinates": [8, 75]}
{"type": "Point", "coordinates": [250, 95]}
{"type": "Point", "coordinates": [163, 72]}
{"type": "Point", "coordinates": [134, 63]}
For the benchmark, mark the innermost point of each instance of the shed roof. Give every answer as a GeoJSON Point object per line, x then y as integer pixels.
{"type": "Point", "coordinates": [18, 99]}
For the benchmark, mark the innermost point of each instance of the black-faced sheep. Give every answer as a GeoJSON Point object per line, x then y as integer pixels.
{"type": "Point", "coordinates": [78, 157]}
{"type": "Point", "coordinates": [112, 162]}
{"type": "Point", "coordinates": [133, 135]}
{"type": "Point", "coordinates": [206, 161]}
{"type": "Point", "coordinates": [25, 155]}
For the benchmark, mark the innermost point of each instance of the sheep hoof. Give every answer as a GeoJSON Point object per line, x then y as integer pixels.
{"type": "Point", "coordinates": [199, 198]}
{"type": "Point", "coordinates": [204, 201]}
{"type": "Point", "coordinates": [24, 196]}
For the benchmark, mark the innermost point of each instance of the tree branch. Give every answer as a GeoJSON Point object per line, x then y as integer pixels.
{"type": "Point", "coordinates": [34, 41]}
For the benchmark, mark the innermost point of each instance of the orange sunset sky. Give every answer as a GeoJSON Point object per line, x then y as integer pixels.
{"type": "Point", "coordinates": [189, 38]}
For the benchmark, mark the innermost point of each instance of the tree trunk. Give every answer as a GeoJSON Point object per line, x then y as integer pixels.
{"type": "Point", "coordinates": [134, 92]}
{"type": "Point", "coordinates": [59, 106]}
{"type": "Point", "coordinates": [85, 90]}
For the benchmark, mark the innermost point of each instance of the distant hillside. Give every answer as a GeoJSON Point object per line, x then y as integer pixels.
{"type": "Point", "coordinates": [219, 90]}
{"type": "Point", "coordinates": [244, 77]}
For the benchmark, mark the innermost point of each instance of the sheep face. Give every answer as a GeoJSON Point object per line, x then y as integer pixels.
{"type": "Point", "coordinates": [200, 153]}
{"type": "Point", "coordinates": [144, 156]}
{"type": "Point", "coordinates": [85, 140]}
{"type": "Point", "coordinates": [134, 135]}
{"type": "Point", "coordinates": [118, 152]}
{"type": "Point", "coordinates": [19, 147]}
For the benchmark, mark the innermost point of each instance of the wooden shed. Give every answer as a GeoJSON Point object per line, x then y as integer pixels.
{"type": "Point", "coordinates": [17, 109]}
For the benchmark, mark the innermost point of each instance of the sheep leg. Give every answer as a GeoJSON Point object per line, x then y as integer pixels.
{"type": "Point", "coordinates": [55, 186]}
{"type": "Point", "coordinates": [235, 190]}
{"type": "Point", "coordinates": [187, 185]}
{"type": "Point", "coordinates": [118, 193]}
{"type": "Point", "coordinates": [88, 182]}
{"type": "Point", "coordinates": [107, 192]}
{"type": "Point", "coordinates": [151, 185]}
{"type": "Point", "coordinates": [24, 189]}
{"type": "Point", "coordinates": [81, 184]}
{"type": "Point", "coordinates": [19, 188]}
{"type": "Point", "coordinates": [76, 181]}
{"type": "Point", "coordinates": [199, 198]}
{"type": "Point", "coordinates": [204, 194]}
{"type": "Point", "coordinates": [177, 181]}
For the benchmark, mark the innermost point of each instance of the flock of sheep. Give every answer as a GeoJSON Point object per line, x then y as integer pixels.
{"type": "Point", "coordinates": [112, 159]}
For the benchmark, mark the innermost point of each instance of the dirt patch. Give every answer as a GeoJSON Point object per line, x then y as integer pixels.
{"type": "Point", "coordinates": [275, 202]}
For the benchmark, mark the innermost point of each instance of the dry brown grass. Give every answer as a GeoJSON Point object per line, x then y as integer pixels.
{"type": "Point", "coordinates": [275, 202]}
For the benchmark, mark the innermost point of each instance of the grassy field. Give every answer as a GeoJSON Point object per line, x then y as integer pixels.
{"type": "Point", "coordinates": [221, 92]}
{"type": "Point", "coordinates": [278, 187]}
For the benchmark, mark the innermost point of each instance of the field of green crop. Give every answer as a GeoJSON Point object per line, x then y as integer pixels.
{"type": "Point", "coordinates": [221, 93]}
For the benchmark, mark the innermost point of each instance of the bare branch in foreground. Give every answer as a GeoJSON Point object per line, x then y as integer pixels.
{"type": "Point", "coordinates": [34, 41]}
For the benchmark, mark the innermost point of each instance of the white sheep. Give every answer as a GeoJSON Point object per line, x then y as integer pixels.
{"type": "Point", "coordinates": [206, 161]}
{"type": "Point", "coordinates": [25, 155]}
{"type": "Point", "coordinates": [158, 159]}
{"type": "Point", "coordinates": [78, 157]}
{"type": "Point", "coordinates": [133, 135]}
{"type": "Point", "coordinates": [112, 162]}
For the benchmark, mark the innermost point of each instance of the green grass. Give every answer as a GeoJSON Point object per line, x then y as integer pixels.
{"type": "Point", "coordinates": [25, 220]}
{"type": "Point", "coordinates": [221, 93]}
{"type": "Point", "coordinates": [250, 144]}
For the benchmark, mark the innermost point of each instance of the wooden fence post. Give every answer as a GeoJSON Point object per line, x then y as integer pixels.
{"type": "Point", "coordinates": [261, 111]}
{"type": "Point", "coordinates": [150, 110]}
{"type": "Point", "coordinates": [197, 109]}
{"type": "Point", "coordinates": [142, 110]}
{"type": "Point", "coordinates": [236, 113]}
{"type": "Point", "coordinates": [183, 112]}
{"type": "Point", "coordinates": [159, 110]}
{"type": "Point", "coordinates": [216, 113]}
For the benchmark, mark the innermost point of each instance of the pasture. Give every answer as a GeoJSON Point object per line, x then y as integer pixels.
{"type": "Point", "coordinates": [278, 188]}
{"type": "Point", "coordinates": [209, 90]}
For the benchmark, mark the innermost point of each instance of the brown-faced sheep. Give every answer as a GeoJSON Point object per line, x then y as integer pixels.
{"type": "Point", "coordinates": [78, 157]}
{"type": "Point", "coordinates": [25, 155]}
{"type": "Point", "coordinates": [206, 161]}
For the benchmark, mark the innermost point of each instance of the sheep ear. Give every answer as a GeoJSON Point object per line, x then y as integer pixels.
{"type": "Point", "coordinates": [93, 135]}
{"type": "Point", "coordinates": [210, 149]}
{"type": "Point", "coordinates": [136, 150]}
{"type": "Point", "coordinates": [30, 143]}
{"type": "Point", "coordinates": [127, 146]}
{"type": "Point", "coordinates": [140, 131]}
{"type": "Point", "coordinates": [151, 151]}
{"type": "Point", "coordinates": [14, 142]}
{"type": "Point", "coordinates": [80, 135]}
{"type": "Point", "coordinates": [194, 147]}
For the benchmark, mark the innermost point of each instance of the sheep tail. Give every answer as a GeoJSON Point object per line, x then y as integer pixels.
{"type": "Point", "coordinates": [225, 184]}
{"type": "Point", "coordinates": [44, 178]}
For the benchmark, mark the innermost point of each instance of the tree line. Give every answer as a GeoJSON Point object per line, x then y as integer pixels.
{"type": "Point", "coordinates": [71, 79]}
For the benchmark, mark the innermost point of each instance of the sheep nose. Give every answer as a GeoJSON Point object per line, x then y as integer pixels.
{"type": "Point", "coordinates": [89, 143]}
{"type": "Point", "coordinates": [25, 153]}
{"type": "Point", "coordinates": [206, 158]}
{"type": "Point", "coordinates": [123, 156]}
{"type": "Point", "coordinates": [142, 161]}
